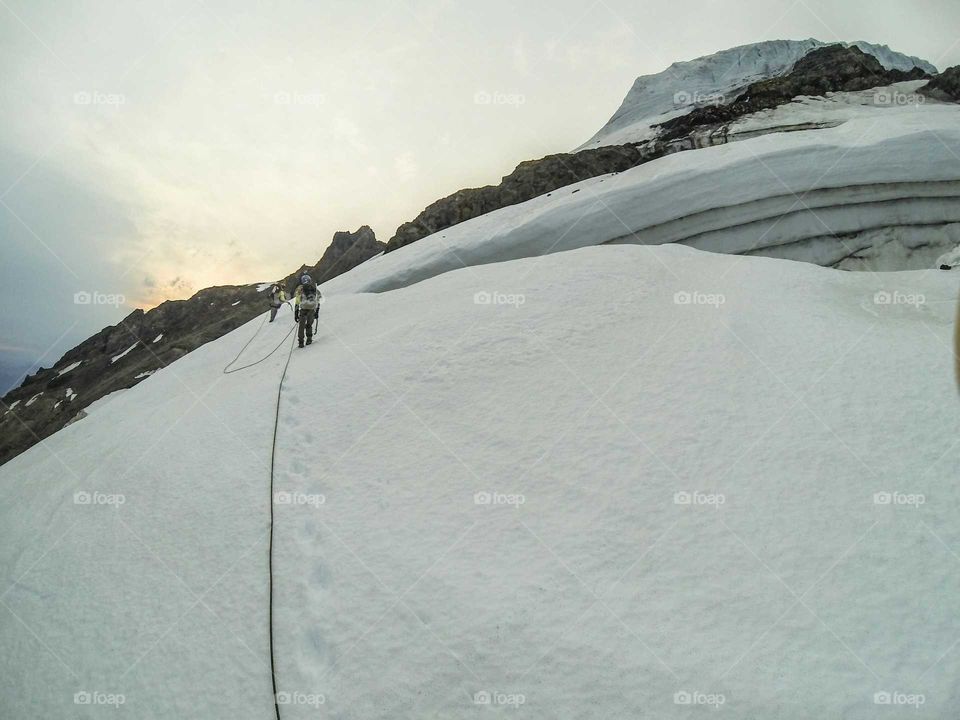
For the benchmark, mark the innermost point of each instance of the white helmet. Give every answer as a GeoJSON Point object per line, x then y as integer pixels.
{"type": "Point", "coordinates": [306, 279]}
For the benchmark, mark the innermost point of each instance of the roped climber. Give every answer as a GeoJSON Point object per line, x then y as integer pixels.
{"type": "Point", "coordinates": [277, 297]}
{"type": "Point", "coordinates": [306, 298]}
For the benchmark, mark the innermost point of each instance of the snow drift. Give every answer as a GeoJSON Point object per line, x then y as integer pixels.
{"type": "Point", "coordinates": [616, 482]}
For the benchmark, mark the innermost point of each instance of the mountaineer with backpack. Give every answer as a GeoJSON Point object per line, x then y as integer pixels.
{"type": "Point", "coordinates": [276, 297]}
{"type": "Point", "coordinates": [306, 309]}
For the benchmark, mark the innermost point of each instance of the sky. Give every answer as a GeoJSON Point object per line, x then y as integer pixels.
{"type": "Point", "coordinates": [149, 150]}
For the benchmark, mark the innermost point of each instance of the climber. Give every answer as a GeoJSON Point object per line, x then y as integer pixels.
{"type": "Point", "coordinates": [277, 297]}
{"type": "Point", "coordinates": [306, 309]}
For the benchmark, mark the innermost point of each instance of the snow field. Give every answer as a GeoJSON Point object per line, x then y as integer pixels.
{"type": "Point", "coordinates": [617, 481]}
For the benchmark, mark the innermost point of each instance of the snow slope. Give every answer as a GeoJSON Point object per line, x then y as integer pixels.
{"type": "Point", "coordinates": [817, 195]}
{"type": "Point", "coordinates": [717, 78]}
{"type": "Point", "coordinates": [598, 483]}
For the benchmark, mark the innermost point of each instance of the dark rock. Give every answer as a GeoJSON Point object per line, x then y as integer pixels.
{"type": "Point", "coordinates": [530, 179]}
{"type": "Point", "coordinates": [945, 86]}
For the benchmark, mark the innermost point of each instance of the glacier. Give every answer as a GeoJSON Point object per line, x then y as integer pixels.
{"type": "Point", "coordinates": [516, 487]}
{"type": "Point", "coordinates": [610, 452]}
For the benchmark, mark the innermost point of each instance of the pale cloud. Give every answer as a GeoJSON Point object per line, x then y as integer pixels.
{"type": "Point", "coordinates": [405, 166]}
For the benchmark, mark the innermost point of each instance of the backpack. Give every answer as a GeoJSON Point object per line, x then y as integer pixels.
{"type": "Point", "coordinates": [309, 297]}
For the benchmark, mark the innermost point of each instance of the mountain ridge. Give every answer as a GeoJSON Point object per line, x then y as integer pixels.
{"type": "Point", "coordinates": [120, 356]}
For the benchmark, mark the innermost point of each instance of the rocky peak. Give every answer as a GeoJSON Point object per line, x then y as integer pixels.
{"type": "Point", "coordinates": [345, 251]}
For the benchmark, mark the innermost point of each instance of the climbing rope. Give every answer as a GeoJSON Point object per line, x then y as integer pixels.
{"type": "Point", "coordinates": [273, 456]}
{"type": "Point", "coordinates": [227, 370]}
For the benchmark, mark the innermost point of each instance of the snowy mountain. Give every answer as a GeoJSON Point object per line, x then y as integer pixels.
{"type": "Point", "coordinates": [864, 178]}
{"type": "Point", "coordinates": [717, 78]}
{"type": "Point", "coordinates": [703, 112]}
{"type": "Point", "coordinates": [875, 188]}
{"type": "Point", "coordinates": [555, 459]}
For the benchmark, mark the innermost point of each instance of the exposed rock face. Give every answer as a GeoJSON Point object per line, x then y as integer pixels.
{"type": "Point", "coordinates": [346, 251]}
{"type": "Point", "coordinates": [157, 338]}
{"type": "Point", "coordinates": [826, 69]}
{"type": "Point", "coordinates": [833, 68]}
{"type": "Point", "coordinates": [946, 86]}
{"type": "Point", "coordinates": [530, 179]}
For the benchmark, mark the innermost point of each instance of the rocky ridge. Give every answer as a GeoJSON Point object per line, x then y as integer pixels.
{"type": "Point", "coordinates": [122, 355]}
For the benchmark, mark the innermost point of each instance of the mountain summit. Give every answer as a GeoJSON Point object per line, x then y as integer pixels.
{"type": "Point", "coordinates": [716, 78]}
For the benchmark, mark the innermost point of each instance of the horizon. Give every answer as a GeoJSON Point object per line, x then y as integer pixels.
{"type": "Point", "coordinates": [152, 152]}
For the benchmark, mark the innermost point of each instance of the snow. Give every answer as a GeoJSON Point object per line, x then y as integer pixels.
{"type": "Point", "coordinates": [235, 303]}
{"type": "Point", "coordinates": [14, 404]}
{"type": "Point", "coordinates": [71, 366]}
{"type": "Point", "coordinates": [98, 405]}
{"type": "Point", "coordinates": [720, 77]}
{"type": "Point", "coordinates": [157, 339]}
{"type": "Point", "coordinates": [788, 194]}
{"type": "Point", "coordinates": [264, 286]}
{"type": "Point", "coordinates": [123, 354]}
{"type": "Point", "coordinates": [33, 399]}
{"type": "Point", "coordinates": [147, 373]}
{"type": "Point", "coordinates": [70, 395]}
{"type": "Point", "coordinates": [665, 474]}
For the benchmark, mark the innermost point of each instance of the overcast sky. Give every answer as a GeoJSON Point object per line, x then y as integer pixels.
{"type": "Point", "coordinates": [150, 149]}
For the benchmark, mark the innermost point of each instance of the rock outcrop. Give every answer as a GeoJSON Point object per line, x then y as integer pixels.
{"type": "Point", "coordinates": [124, 354]}
{"type": "Point", "coordinates": [347, 250]}
{"type": "Point", "coordinates": [945, 86]}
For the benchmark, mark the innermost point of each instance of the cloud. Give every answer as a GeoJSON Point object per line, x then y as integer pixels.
{"type": "Point", "coordinates": [405, 165]}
